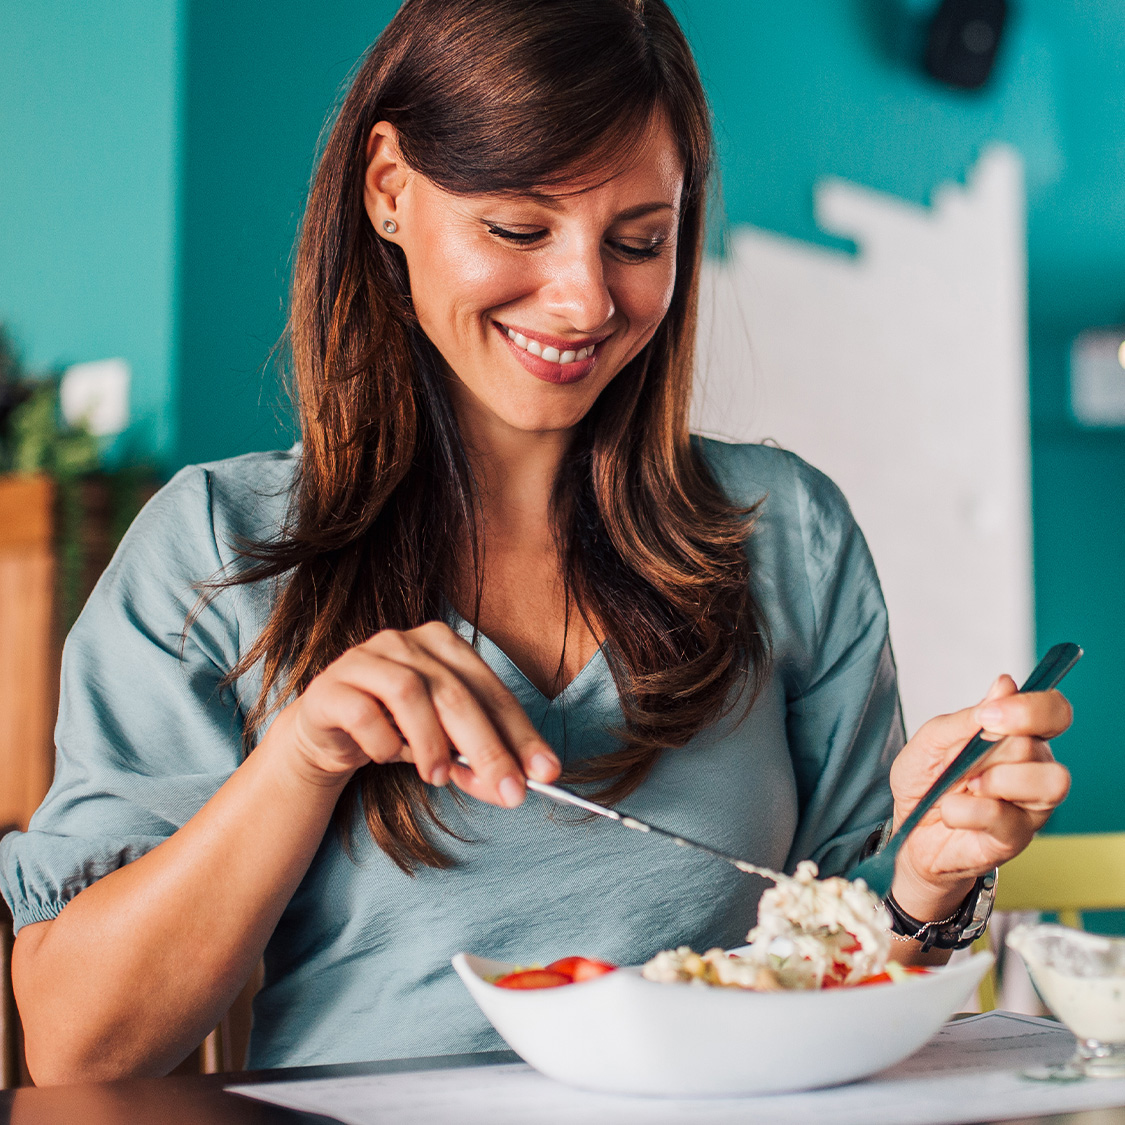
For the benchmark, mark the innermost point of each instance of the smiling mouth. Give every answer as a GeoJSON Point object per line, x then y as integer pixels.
{"type": "Point", "coordinates": [546, 351]}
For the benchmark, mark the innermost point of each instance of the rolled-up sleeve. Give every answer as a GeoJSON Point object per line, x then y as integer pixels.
{"type": "Point", "coordinates": [146, 732]}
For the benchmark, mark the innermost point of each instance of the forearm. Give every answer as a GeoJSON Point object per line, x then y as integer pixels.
{"type": "Point", "coordinates": [139, 966]}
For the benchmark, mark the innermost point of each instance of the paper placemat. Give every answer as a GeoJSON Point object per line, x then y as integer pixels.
{"type": "Point", "coordinates": [969, 1072]}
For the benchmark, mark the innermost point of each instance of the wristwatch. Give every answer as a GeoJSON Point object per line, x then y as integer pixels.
{"type": "Point", "coordinates": [959, 930]}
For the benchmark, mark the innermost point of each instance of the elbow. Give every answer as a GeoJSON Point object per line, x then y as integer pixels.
{"type": "Point", "coordinates": [49, 1060]}
{"type": "Point", "coordinates": [58, 1056]}
{"type": "Point", "coordinates": [59, 1047]}
{"type": "Point", "coordinates": [55, 1053]}
{"type": "Point", "coordinates": [54, 1067]}
{"type": "Point", "coordinates": [49, 1066]}
{"type": "Point", "coordinates": [81, 1026]}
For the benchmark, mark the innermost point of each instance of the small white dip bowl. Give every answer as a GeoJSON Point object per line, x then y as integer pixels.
{"type": "Point", "coordinates": [622, 1034]}
{"type": "Point", "coordinates": [1081, 976]}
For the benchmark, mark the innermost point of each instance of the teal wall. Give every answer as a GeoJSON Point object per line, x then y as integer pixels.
{"type": "Point", "coordinates": [89, 94]}
{"type": "Point", "coordinates": [257, 94]}
{"type": "Point", "coordinates": [161, 159]}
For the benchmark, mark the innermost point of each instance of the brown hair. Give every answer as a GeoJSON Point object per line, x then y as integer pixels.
{"type": "Point", "coordinates": [502, 96]}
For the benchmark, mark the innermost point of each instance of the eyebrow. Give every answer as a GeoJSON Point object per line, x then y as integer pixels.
{"type": "Point", "coordinates": [645, 209]}
{"type": "Point", "coordinates": [554, 203]}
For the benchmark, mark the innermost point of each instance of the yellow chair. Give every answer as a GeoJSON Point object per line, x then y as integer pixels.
{"type": "Point", "coordinates": [1063, 875]}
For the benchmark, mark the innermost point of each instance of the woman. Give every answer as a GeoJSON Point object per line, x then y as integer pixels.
{"type": "Point", "coordinates": [497, 540]}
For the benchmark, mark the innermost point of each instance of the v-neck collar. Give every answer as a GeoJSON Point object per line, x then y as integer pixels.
{"type": "Point", "coordinates": [574, 687]}
{"type": "Point", "coordinates": [580, 722]}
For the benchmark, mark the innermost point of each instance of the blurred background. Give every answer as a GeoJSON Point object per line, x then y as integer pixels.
{"type": "Point", "coordinates": [951, 240]}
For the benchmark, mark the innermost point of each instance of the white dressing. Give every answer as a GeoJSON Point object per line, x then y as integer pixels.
{"type": "Point", "coordinates": [1081, 977]}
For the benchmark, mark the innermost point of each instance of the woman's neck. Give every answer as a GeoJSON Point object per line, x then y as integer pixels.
{"type": "Point", "coordinates": [515, 471]}
{"type": "Point", "coordinates": [523, 603]}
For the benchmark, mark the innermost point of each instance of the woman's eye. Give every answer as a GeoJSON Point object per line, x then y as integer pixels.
{"type": "Point", "coordinates": [640, 252]}
{"type": "Point", "coordinates": [523, 238]}
{"type": "Point", "coordinates": [633, 250]}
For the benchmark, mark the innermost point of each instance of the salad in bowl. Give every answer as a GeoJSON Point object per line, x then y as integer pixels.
{"type": "Point", "coordinates": [791, 1010]}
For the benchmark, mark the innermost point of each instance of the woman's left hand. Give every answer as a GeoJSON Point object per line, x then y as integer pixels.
{"type": "Point", "coordinates": [990, 816]}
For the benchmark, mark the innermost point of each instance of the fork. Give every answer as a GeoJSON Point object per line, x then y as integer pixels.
{"type": "Point", "coordinates": [565, 797]}
{"type": "Point", "coordinates": [878, 871]}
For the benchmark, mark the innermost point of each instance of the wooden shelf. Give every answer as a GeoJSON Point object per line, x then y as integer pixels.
{"type": "Point", "coordinates": [28, 657]}
{"type": "Point", "coordinates": [27, 503]}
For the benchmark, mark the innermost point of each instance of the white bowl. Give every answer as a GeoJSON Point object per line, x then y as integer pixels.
{"type": "Point", "coordinates": [622, 1034]}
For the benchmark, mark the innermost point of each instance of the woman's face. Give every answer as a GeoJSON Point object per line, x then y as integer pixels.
{"type": "Point", "coordinates": [535, 301]}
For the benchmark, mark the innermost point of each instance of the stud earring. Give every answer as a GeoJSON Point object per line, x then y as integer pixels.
{"type": "Point", "coordinates": [390, 226]}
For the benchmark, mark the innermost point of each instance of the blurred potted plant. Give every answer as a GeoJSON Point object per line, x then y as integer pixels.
{"type": "Point", "coordinates": [92, 506]}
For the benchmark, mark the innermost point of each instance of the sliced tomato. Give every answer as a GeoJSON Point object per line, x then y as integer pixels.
{"type": "Point", "coordinates": [565, 965]}
{"type": "Point", "coordinates": [886, 978]}
{"type": "Point", "coordinates": [587, 969]}
{"type": "Point", "coordinates": [878, 978]}
{"type": "Point", "coordinates": [580, 968]}
{"type": "Point", "coordinates": [533, 978]}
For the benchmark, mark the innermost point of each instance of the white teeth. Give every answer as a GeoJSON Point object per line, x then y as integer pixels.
{"type": "Point", "coordinates": [551, 355]}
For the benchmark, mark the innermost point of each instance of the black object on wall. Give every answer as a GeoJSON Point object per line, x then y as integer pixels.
{"type": "Point", "coordinates": [963, 39]}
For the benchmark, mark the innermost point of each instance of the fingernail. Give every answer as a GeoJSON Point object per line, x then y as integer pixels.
{"type": "Point", "coordinates": [543, 765]}
{"type": "Point", "coordinates": [990, 714]}
{"type": "Point", "coordinates": [439, 775]}
{"type": "Point", "coordinates": [511, 792]}
{"type": "Point", "coordinates": [973, 785]}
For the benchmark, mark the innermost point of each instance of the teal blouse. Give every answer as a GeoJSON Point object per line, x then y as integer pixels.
{"type": "Point", "coordinates": [358, 967]}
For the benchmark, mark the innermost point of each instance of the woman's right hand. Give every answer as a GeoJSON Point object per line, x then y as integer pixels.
{"type": "Point", "coordinates": [424, 696]}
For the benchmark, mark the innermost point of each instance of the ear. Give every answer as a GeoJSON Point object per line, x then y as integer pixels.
{"type": "Point", "coordinates": [386, 178]}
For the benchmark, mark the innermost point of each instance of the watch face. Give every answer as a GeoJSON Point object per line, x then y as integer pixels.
{"type": "Point", "coordinates": [980, 900]}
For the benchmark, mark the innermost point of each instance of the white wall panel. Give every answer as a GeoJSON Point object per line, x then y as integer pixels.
{"type": "Point", "coordinates": [902, 373]}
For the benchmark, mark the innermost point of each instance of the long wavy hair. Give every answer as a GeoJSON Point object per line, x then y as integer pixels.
{"type": "Point", "coordinates": [502, 96]}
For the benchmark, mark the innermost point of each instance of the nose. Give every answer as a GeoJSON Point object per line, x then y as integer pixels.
{"type": "Point", "coordinates": [577, 289]}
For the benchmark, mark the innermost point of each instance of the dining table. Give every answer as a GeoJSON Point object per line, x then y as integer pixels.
{"type": "Point", "coordinates": [205, 1099]}
{"type": "Point", "coordinates": [200, 1099]}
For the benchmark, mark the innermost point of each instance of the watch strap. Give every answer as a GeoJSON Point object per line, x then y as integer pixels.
{"type": "Point", "coordinates": [959, 930]}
